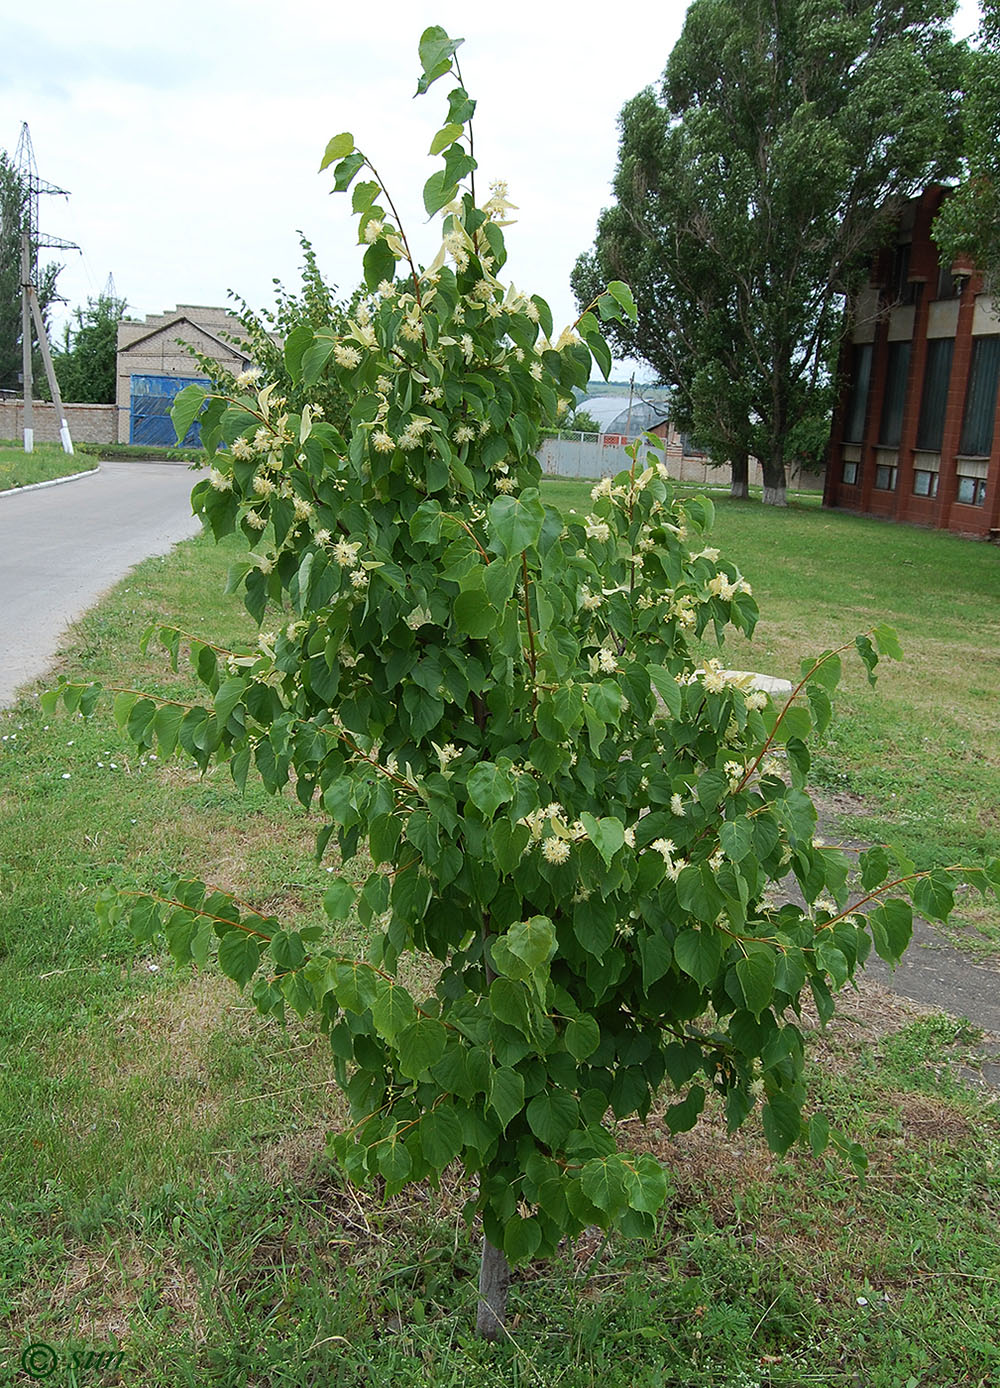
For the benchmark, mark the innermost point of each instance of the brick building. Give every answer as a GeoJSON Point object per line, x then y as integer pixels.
{"type": "Point", "coordinates": [916, 432]}
{"type": "Point", "coordinates": [154, 364]}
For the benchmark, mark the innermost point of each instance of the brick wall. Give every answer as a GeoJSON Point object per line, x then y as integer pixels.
{"type": "Point", "coordinates": [87, 423]}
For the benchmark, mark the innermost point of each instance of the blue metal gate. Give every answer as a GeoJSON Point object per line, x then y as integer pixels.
{"type": "Point", "coordinates": [151, 400]}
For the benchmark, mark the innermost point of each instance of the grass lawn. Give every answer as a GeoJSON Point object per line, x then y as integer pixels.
{"type": "Point", "coordinates": [47, 461]}
{"type": "Point", "coordinates": [162, 1182]}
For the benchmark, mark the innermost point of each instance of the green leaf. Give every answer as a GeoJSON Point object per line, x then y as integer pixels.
{"type": "Point", "coordinates": [506, 1094]}
{"type": "Point", "coordinates": [646, 1183]}
{"type": "Point", "coordinates": [473, 613]}
{"type": "Point", "coordinates": [533, 941]}
{"type": "Point", "coordinates": [521, 1238]}
{"type": "Point", "coordinates": [446, 136]}
{"type": "Point", "coordinates": [736, 838]}
{"type": "Point", "coordinates": [891, 924]}
{"type": "Point", "coordinates": [338, 899]}
{"type": "Point", "coordinates": [552, 1116]}
{"type": "Point", "coordinates": [489, 787]}
{"type": "Point", "coordinates": [379, 263]}
{"type": "Point", "coordinates": [337, 148]}
{"type": "Point", "coordinates": [699, 953]}
{"type": "Point", "coordinates": [667, 687]}
{"type": "Point", "coordinates": [166, 725]}
{"type": "Point", "coordinates": [582, 1036]}
{"type": "Point", "coordinates": [441, 1136]}
{"type": "Point", "coordinates": [607, 835]}
{"type": "Point", "coordinates": [439, 190]}
{"type": "Point", "coordinates": [392, 1010]}
{"type": "Point", "coordinates": [435, 48]}
{"type": "Point", "coordinates": [874, 864]}
{"type": "Point", "coordinates": [620, 291]}
{"type": "Point", "coordinates": [186, 408]}
{"type": "Point", "coordinates": [604, 1184]}
{"type": "Point", "coordinates": [420, 1046]}
{"type": "Point", "coordinates": [756, 977]}
{"type": "Point", "coordinates": [516, 521]}
{"type": "Point", "coordinates": [601, 352]}
{"type": "Point", "coordinates": [239, 956]}
{"type": "Point", "coordinates": [888, 642]}
{"type": "Point", "coordinates": [782, 1122]}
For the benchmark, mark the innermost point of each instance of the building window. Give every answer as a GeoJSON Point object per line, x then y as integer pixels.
{"type": "Point", "coordinates": [857, 405]}
{"type": "Point", "coordinates": [851, 474]}
{"type": "Point", "coordinates": [900, 289]}
{"type": "Point", "coordinates": [948, 286]}
{"type": "Point", "coordinates": [885, 478]}
{"type": "Point", "coordinates": [925, 483]}
{"type": "Point", "coordinates": [934, 400]}
{"type": "Point", "coordinates": [981, 400]}
{"type": "Point", "coordinates": [897, 370]}
{"type": "Point", "coordinates": [971, 491]}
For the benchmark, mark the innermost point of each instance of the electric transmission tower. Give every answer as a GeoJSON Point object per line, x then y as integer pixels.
{"type": "Point", "coordinates": [31, 240]}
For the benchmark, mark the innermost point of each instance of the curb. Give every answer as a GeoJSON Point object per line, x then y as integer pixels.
{"type": "Point", "coordinates": [52, 482]}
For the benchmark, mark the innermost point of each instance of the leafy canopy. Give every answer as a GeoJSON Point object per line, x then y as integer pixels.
{"type": "Point", "coordinates": [526, 773]}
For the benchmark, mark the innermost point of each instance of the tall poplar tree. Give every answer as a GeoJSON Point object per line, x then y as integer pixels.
{"type": "Point", "coordinates": [970, 221]}
{"type": "Point", "coordinates": [751, 192]}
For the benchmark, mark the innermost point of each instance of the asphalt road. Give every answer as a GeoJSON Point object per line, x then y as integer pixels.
{"type": "Point", "coordinates": [62, 547]}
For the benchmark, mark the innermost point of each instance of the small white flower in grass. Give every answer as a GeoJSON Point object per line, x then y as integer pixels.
{"type": "Point", "coordinates": [677, 806]}
{"type": "Point", "coordinates": [66, 775]}
{"type": "Point", "coordinates": [345, 552]}
{"type": "Point", "coordinates": [555, 850]}
{"type": "Point", "coordinates": [347, 357]}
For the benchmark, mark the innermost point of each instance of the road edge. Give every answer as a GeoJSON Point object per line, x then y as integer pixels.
{"type": "Point", "coordinates": [52, 482]}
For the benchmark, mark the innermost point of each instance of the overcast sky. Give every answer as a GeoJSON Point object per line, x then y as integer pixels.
{"type": "Point", "coordinates": [189, 135]}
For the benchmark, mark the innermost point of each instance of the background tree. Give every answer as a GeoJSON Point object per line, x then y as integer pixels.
{"type": "Point", "coordinates": [86, 367]}
{"type": "Point", "coordinates": [970, 220]}
{"type": "Point", "coordinates": [750, 195]}
{"type": "Point", "coordinates": [13, 215]}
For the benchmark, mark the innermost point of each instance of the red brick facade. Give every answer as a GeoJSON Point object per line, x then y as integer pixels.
{"type": "Point", "coordinates": [882, 470]}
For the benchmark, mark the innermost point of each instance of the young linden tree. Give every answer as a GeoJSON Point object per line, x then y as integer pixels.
{"type": "Point", "coordinates": [527, 773]}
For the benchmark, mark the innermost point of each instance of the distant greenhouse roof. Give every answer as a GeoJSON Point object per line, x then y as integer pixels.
{"type": "Point", "coordinates": [611, 412]}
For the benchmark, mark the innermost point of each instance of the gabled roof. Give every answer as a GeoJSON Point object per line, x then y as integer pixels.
{"type": "Point", "coordinates": [183, 318]}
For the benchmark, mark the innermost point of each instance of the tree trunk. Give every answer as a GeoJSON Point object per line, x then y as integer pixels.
{"type": "Point", "coordinates": [494, 1279]}
{"type": "Point", "coordinates": [774, 481]}
{"type": "Point", "coordinates": [740, 485]}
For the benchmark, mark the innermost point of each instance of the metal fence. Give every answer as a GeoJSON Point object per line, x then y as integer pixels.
{"type": "Point", "coordinates": [587, 455]}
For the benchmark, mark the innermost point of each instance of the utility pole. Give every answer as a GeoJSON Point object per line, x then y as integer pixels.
{"type": "Point", "coordinates": [31, 239]}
